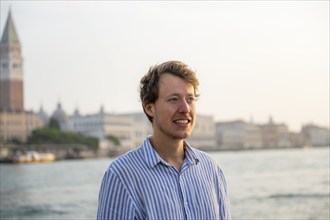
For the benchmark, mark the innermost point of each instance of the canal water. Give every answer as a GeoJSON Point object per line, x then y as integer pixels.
{"type": "Point", "coordinates": [264, 184]}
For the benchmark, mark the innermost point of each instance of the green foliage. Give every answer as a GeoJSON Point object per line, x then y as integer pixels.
{"type": "Point", "coordinates": [55, 136]}
{"type": "Point", "coordinates": [113, 139]}
{"type": "Point", "coordinates": [15, 140]}
{"type": "Point", "coordinates": [53, 123]}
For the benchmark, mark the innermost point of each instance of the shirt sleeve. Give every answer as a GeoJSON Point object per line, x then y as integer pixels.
{"type": "Point", "coordinates": [115, 201]}
{"type": "Point", "coordinates": [224, 198]}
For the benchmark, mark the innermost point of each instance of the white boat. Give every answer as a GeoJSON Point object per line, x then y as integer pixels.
{"type": "Point", "coordinates": [33, 157]}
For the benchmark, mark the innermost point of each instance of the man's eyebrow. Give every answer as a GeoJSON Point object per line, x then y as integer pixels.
{"type": "Point", "coordinates": [172, 94]}
{"type": "Point", "coordinates": [178, 95]}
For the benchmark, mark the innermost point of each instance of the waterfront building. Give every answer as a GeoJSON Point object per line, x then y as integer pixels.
{"type": "Point", "coordinates": [33, 121]}
{"type": "Point", "coordinates": [275, 135]}
{"type": "Point", "coordinates": [43, 115]}
{"type": "Point", "coordinates": [253, 138]}
{"type": "Point", "coordinates": [11, 64]}
{"type": "Point", "coordinates": [230, 134]}
{"type": "Point", "coordinates": [16, 124]}
{"type": "Point", "coordinates": [296, 139]}
{"type": "Point", "coordinates": [314, 135]}
{"type": "Point", "coordinates": [13, 126]}
{"type": "Point", "coordinates": [100, 125]}
{"type": "Point", "coordinates": [141, 127]}
{"type": "Point", "coordinates": [238, 135]}
{"type": "Point", "coordinates": [204, 134]}
{"type": "Point", "coordinates": [60, 116]}
{"type": "Point", "coordinates": [87, 125]}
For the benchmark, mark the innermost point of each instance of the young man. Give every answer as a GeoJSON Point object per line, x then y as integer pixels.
{"type": "Point", "coordinates": [165, 178]}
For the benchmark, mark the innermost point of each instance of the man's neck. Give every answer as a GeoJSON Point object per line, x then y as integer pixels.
{"type": "Point", "coordinates": [170, 150]}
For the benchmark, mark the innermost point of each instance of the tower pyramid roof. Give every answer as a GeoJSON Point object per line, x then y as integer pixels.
{"type": "Point", "coordinates": [9, 34]}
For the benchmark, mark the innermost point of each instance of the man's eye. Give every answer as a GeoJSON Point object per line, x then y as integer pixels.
{"type": "Point", "coordinates": [191, 100]}
{"type": "Point", "coordinates": [173, 100]}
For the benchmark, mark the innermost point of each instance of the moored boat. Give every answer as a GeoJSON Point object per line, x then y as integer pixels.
{"type": "Point", "coordinates": [33, 157]}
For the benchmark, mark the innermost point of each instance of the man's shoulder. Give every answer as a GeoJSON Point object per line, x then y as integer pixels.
{"type": "Point", "coordinates": [204, 157]}
{"type": "Point", "coordinates": [202, 154]}
{"type": "Point", "coordinates": [127, 160]}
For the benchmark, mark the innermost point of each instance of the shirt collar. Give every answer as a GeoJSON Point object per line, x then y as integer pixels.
{"type": "Point", "coordinates": [191, 156]}
{"type": "Point", "coordinates": [152, 158]}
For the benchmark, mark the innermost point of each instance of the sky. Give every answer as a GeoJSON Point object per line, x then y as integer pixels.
{"type": "Point", "coordinates": [254, 59]}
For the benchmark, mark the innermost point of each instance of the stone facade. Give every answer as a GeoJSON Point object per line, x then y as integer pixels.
{"type": "Point", "coordinates": [16, 123]}
{"type": "Point", "coordinates": [275, 135]}
{"type": "Point", "coordinates": [11, 69]}
{"type": "Point", "coordinates": [314, 135]}
{"type": "Point", "coordinates": [13, 126]}
{"type": "Point", "coordinates": [238, 135]}
{"type": "Point", "coordinates": [203, 135]}
{"type": "Point", "coordinates": [11, 95]}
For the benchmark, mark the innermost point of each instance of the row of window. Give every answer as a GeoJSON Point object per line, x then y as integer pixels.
{"type": "Point", "coordinates": [12, 123]}
{"type": "Point", "coordinates": [100, 124]}
{"type": "Point", "coordinates": [8, 136]}
{"type": "Point", "coordinates": [19, 123]}
{"type": "Point", "coordinates": [15, 66]}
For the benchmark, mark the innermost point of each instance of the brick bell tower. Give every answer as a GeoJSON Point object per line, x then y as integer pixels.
{"type": "Point", "coordinates": [11, 69]}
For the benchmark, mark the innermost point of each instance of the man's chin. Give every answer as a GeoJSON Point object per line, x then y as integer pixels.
{"type": "Point", "coordinates": [182, 136]}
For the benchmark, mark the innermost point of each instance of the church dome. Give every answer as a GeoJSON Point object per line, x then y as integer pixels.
{"type": "Point", "coordinates": [59, 114]}
{"type": "Point", "coordinates": [43, 115]}
{"type": "Point", "coordinates": [76, 113]}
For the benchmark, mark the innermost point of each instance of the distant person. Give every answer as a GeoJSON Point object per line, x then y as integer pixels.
{"type": "Point", "coordinates": [165, 178]}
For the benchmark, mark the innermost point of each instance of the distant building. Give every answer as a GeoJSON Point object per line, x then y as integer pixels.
{"type": "Point", "coordinates": [15, 123]}
{"type": "Point", "coordinates": [253, 137]}
{"type": "Point", "coordinates": [203, 135]}
{"type": "Point", "coordinates": [275, 135]}
{"type": "Point", "coordinates": [314, 135]}
{"type": "Point", "coordinates": [13, 126]}
{"type": "Point", "coordinates": [18, 125]}
{"type": "Point", "coordinates": [141, 127]}
{"type": "Point", "coordinates": [296, 139]}
{"type": "Point", "coordinates": [43, 115]}
{"type": "Point", "coordinates": [100, 125]}
{"type": "Point", "coordinates": [11, 66]}
{"type": "Point", "coordinates": [238, 135]}
{"type": "Point", "coordinates": [88, 125]}
{"type": "Point", "coordinates": [33, 121]}
{"type": "Point", "coordinates": [60, 116]}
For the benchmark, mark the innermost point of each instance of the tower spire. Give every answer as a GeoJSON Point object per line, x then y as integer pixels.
{"type": "Point", "coordinates": [9, 34]}
{"type": "Point", "coordinates": [11, 75]}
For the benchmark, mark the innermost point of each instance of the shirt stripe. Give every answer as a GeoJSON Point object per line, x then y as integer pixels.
{"type": "Point", "coordinates": [140, 185]}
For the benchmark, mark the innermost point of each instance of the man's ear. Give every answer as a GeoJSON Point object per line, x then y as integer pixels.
{"type": "Point", "coordinates": [150, 109]}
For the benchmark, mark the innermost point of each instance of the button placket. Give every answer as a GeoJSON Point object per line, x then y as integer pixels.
{"type": "Point", "coordinates": [184, 195]}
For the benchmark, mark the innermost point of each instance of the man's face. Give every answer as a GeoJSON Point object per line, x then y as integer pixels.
{"type": "Point", "coordinates": [174, 111]}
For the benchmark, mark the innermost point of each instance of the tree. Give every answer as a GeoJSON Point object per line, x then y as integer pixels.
{"type": "Point", "coordinates": [15, 140]}
{"type": "Point", "coordinates": [53, 123]}
{"type": "Point", "coordinates": [55, 136]}
{"type": "Point", "coordinates": [113, 139]}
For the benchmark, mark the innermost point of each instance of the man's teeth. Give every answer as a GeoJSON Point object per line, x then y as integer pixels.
{"type": "Point", "coordinates": [182, 121]}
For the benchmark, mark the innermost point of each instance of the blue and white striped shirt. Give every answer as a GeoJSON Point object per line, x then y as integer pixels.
{"type": "Point", "coordinates": [141, 185]}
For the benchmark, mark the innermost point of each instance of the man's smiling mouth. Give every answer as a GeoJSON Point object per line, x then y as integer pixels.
{"type": "Point", "coordinates": [182, 121]}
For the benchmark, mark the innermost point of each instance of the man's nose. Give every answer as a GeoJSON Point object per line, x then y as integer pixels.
{"type": "Point", "coordinates": [184, 106]}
